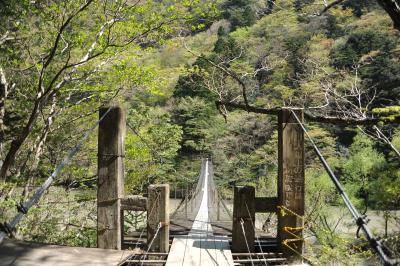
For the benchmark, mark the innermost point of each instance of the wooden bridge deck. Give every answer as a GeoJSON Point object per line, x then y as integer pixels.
{"type": "Point", "coordinates": [17, 253]}
{"type": "Point", "coordinates": [201, 246]}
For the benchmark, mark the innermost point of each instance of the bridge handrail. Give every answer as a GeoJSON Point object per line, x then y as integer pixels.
{"type": "Point", "coordinates": [224, 205]}
{"type": "Point", "coordinates": [23, 208]}
{"type": "Point", "coordinates": [219, 194]}
{"type": "Point", "coordinates": [361, 220]}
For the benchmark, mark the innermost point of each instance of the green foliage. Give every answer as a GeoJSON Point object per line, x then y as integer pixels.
{"type": "Point", "coordinates": [239, 13]}
{"type": "Point", "coordinates": [226, 45]}
{"type": "Point", "coordinates": [358, 44]}
{"type": "Point", "coordinates": [152, 143]}
{"type": "Point", "coordinates": [193, 83]}
{"type": "Point", "coordinates": [363, 160]}
{"type": "Point", "coordinates": [282, 54]}
{"type": "Point", "coordinates": [199, 124]}
{"type": "Point", "coordinates": [396, 139]}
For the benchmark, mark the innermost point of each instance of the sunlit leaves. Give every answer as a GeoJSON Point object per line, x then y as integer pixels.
{"type": "Point", "coordinates": [152, 143]}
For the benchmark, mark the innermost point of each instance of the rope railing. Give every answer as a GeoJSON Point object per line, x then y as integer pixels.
{"type": "Point", "coordinates": [361, 220]}
{"type": "Point", "coordinates": [8, 228]}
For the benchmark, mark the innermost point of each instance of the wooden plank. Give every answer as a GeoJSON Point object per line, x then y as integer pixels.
{"type": "Point", "coordinates": [134, 203]}
{"type": "Point", "coordinates": [18, 253]}
{"type": "Point", "coordinates": [265, 204]}
{"type": "Point", "coordinates": [243, 210]}
{"type": "Point", "coordinates": [265, 254]}
{"type": "Point", "coordinates": [158, 214]}
{"type": "Point", "coordinates": [290, 180]}
{"type": "Point", "coordinates": [110, 177]}
{"type": "Point", "coordinates": [260, 260]}
{"type": "Point", "coordinates": [146, 261]}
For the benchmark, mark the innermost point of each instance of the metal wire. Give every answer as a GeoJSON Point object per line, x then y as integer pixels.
{"type": "Point", "coordinates": [151, 243]}
{"type": "Point", "coordinates": [361, 221]}
{"type": "Point", "coordinates": [24, 207]}
{"type": "Point", "coordinates": [258, 240]}
{"type": "Point", "coordinates": [151, 212]}
{"type": "Point", "coordinates": [247, 243]}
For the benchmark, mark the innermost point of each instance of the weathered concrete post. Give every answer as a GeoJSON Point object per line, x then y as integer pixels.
{"type": "Point", "coordinates": [243, 212]}
{"type": "Point", "coordinates": [110, 177]}
{"type": "Point", "coordinates": [290, 181]}
{"type": "Point", "coordinates": [158, 218]}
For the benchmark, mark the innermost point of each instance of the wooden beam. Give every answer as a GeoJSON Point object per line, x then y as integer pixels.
{"type": "Point", "coordinates": [290, 181]}
{"type": "Point", "coordinates": [393, 119]}
{"type": "Point", "coordinates": [262, 254]}
{"type": "Point", "coordinates": [144, 262]}
{"type": "Point", "coordinates": [110, 177]}
{"type": "Point", "coordinates": [249, 108]}
{"type": "Point", "coordinates": [134, 203]}
{"type": "Point", "coordinates": [248, 261]}
{"type": "Point", "coordinates": [265, 204]}
{"type": "Point", "coordinates": [158, 215]}
{"type": "Point", "coordinates": [243, 212]}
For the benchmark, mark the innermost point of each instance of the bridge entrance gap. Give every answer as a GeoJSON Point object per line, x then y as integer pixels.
{"type": "Point", "coordinates": [201, 246]}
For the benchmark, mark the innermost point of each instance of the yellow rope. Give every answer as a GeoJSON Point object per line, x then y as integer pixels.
{"type": "Point", "coordinates": [283, 210]}
{"type": "Point", "coordinates": [290, 243]}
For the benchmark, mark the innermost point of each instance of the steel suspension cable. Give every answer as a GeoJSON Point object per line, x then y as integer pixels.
{"type": "Point", "coordinates": [151, 243]}
{"type": "Point", "coordinates": [361, 221]}
{"type": "Point", "coordinates": [144, 256]}
{"type": "Point", "coordinates": [23, 208]}
{"type": "Point", "coordinates": [247, 242]}
{"type": "Point", "coordinates": [258, 239]}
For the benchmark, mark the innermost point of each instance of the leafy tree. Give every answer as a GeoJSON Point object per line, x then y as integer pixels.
{"type": "Point", "coordinates": [199, 124]}
{"type": "Point", "coordinates": [193, 83]}
{"type": "Point", "coordinates": [239, 13]}
{"type": "Point", "coordinates": [358, 44]}
{"type": "Point", "coordinates": [152, 144]}
{"type": "Point", "coordinates": [360, 168]}
{"type": "Point", "coordinates": [62, 54]}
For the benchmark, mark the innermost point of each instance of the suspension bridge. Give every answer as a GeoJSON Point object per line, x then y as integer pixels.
{"type": "Point", "coordinates": [202, 230]}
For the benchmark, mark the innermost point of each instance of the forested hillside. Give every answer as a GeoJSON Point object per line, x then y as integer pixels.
{"type": "Point", "coordinates": [187, 72]}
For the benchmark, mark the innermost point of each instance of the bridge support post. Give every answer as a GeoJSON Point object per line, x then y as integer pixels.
{"type": "Point", "coordinates": [243, 219]}
{"type": "Point", "coordinates": [110, 177]}
{"type": "Point", "coordinates": [290, 183]}
{"type": "Point", "coordinates": [158, 218]}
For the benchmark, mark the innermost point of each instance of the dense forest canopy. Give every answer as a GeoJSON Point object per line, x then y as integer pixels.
{"type": "Point", "coordinates": [167, 63]}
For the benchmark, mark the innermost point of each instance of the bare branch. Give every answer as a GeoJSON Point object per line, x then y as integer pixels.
{"type": "Point", "coordinates": [225, 70]}
{"type": "Point", "coordinates": [258, 110]}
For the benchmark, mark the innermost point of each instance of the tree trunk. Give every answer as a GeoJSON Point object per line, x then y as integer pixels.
{"type": "Point", "coordinates": [392, 7]}
{"type": "Point", "coordinates": [3, 96]}
{"type": "Point", "coordinates": [18, 141]}
{"type": "Point", "coordinates": [386, 217]}
{"type": "Point", "coordinates": [38, 149]}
